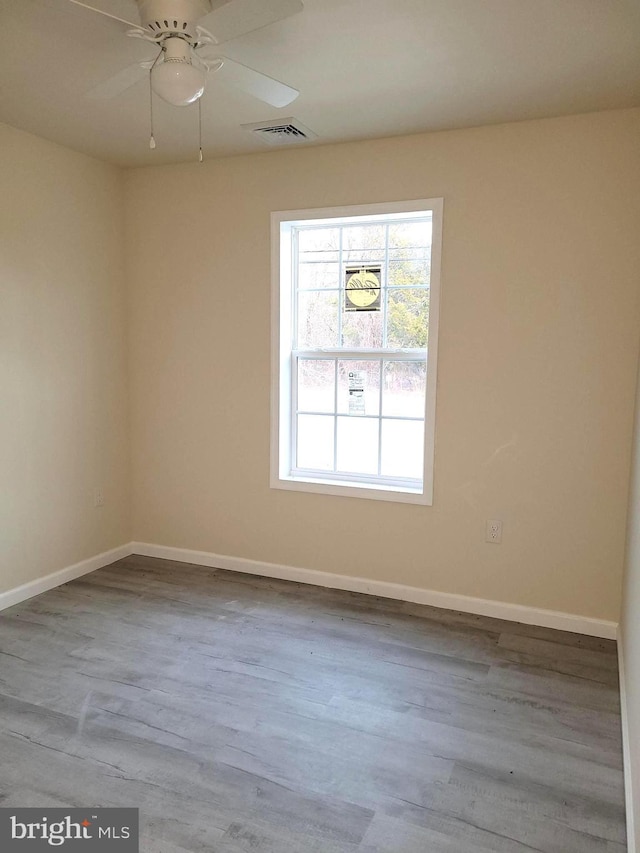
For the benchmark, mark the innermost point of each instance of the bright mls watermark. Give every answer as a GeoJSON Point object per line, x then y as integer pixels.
{"type": "Point", "coordinates": [81, 830]}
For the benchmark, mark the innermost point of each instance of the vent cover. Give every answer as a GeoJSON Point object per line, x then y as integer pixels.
{"type": "Point", "coordinates": [286, 131]}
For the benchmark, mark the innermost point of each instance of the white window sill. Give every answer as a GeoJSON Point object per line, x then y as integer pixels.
{"type": "Point", "coordinates": [377, 492]}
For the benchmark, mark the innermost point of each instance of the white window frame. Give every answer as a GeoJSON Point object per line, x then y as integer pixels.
{"type": "Point", "coordinates": [282, 223]}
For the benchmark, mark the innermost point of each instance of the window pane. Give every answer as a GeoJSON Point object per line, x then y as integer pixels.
{"type": "Point", "coordinates": [318, 275]}
{"type": "Point", "coordinates": [357, 445]}
{"type": "Point", "coordinates": [315, 442]}
{"type": "Point", "coordinates": [361, 237]}
{"type": "Point", "coordinates": [402, 449]}
{"type": "Point", "coordinates": [350, 374]}
{"type": "Point", "coordinates": [410, 253]}
{"type": "Point", "coordinates": [404, 389]}
{"type": "Point", "coordinates": [404, 234]}
{"type": "Point", "coordinates": [317, 319]}
{"type": "Point", "coordinates": [319, 244]}
{"type": "Point", "coordinates": [405, 273]}
{"type": "Point", "coordinates": [316, 385]}
{"type": "Point", "coordinates": [408, 318]}
{"type": "Point", "coordinates": [362, 329]}
{"type": "Point", "coordinates": [320, 257]}
{"type": "Point", "coordinates": [364, 257]}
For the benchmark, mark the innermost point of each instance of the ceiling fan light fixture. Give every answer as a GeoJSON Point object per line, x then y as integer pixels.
{"type": "Point", "coordinates": [176, 79]}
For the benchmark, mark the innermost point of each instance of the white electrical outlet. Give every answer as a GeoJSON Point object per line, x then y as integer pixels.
{"type": "Point", "coordinates": [98, 497]}
{"type": "Point", "coordinates": [494, 531]}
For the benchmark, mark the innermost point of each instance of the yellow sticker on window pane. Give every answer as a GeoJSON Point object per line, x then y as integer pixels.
{"type": "Point", "coordinates": [362, 289]}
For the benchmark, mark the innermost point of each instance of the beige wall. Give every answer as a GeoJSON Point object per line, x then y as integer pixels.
{"type": "Point", "coordinates": [538, 342]}
{"type": "Point", "coordinates": [630, 640]}
{"type": "Point", "coordinates": [63, 421]}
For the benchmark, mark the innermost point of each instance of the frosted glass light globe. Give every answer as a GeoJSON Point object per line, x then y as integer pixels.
{"type": "Point", "coordinates": [178, 82]}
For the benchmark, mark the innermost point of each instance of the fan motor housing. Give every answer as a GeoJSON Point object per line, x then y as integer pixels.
{"type": "Point", "coordinates": [173, 16]}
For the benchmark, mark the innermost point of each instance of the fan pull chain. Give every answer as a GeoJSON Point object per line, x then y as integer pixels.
{"type": "Point", "coordinates": [200, 157]}
{"type": "Point", "coordinates": [152, 141]}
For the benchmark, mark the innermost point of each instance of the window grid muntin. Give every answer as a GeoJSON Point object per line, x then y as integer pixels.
{"type": "Point", "coordinates": [351, 355]}
{"type": "Point", "coordinates": [341, 352]}
{"type": "Point", "coordinates": [384, 221]}
{"type": "Point", "coordinates": [429, 214]}
{"type": "Point", "coordinates": [340, 271]}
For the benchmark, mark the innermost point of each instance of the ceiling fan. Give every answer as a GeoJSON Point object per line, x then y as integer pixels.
{"type": "Point", "coordinates": [188, 50]}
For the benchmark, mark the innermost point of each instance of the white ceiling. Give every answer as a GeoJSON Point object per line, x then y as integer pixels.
{"type": "Point", "coordinates": [365, 68]}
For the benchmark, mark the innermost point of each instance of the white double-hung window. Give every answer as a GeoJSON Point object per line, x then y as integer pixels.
{"type": "Point", "coordinates": [355, 326]}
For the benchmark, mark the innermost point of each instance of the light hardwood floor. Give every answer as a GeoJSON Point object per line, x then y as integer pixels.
{"type": "Point", "coordinates": [246, 715]}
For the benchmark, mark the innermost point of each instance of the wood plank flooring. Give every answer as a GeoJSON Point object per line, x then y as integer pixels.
{"type": "Point", "coordinates": [246, 715]}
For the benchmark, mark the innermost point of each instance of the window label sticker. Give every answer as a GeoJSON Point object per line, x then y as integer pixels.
{"type": "Point", "coordinates": [356, 392]}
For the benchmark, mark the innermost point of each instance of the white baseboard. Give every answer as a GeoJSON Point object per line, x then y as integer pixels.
{"type": "Point", "coordinates": [35, 587]}
{"type": "Point", "coordinates": [385, 589]}
{"type": "Point", "coordinates": [626, 752]}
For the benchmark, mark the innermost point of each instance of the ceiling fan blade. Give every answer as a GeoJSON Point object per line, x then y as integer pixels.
{"type": "Point", "coordinates": [106, 14]}
{"type": "Point", "coordinates": [255, 83]}
{"type": "Point", "coordinates": [244, 16]}
{"type": "Point", "coordinates": [121, 81]}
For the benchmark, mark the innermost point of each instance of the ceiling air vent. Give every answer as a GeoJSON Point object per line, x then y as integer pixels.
{"type": "Point", "coordinates": [286, 131]}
